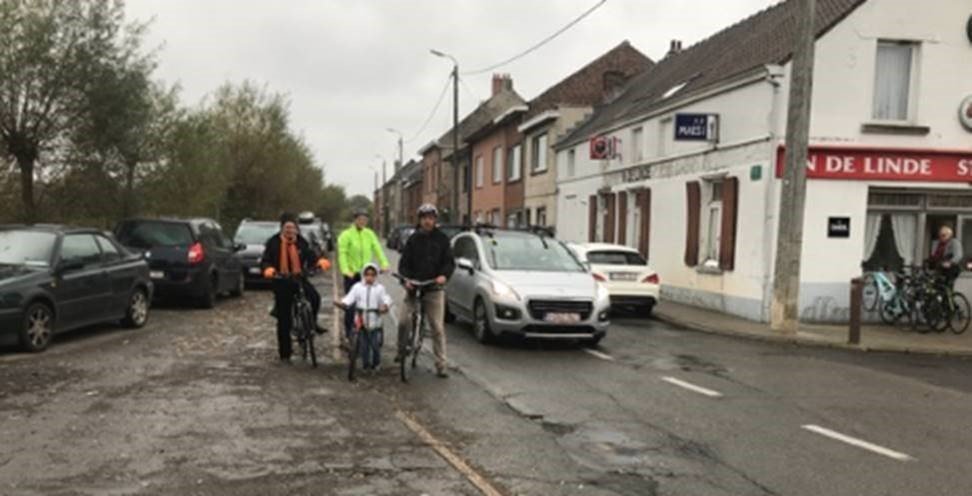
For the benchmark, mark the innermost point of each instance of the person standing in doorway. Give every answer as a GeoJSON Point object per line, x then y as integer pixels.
{"type": "Point", "coordinates": [357, 247]}
{"type": "Point", "coordinates": [946, 255]}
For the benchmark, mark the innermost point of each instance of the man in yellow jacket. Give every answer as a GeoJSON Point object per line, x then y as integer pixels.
{"type": "Point", "coordinates": [357, 246]}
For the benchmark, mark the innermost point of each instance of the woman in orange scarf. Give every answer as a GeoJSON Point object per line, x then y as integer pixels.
{"type": "Point", "coordinates": [289, 255]}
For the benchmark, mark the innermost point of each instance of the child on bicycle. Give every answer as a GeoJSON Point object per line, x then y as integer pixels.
{"type": "Point", "coordinates": [370, 301]}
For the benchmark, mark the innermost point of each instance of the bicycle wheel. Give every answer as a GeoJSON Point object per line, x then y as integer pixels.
{"type": "Point", "coordinates": [353, 354]}
{"type": "Point", "coordinates": [417, 344]}
{"type": "Point", "coordinates": [889, 312]}
{"type": "Point", "coordinates": [961, 313]}
{"type": "Point", "coordinates": [312, 349]}
{"type": "Point", "coordinates": [871, 294]}
{"type": "Point", "coordinates": [933, 313]}
{"type": "Point", "coordinates": [404, 362]}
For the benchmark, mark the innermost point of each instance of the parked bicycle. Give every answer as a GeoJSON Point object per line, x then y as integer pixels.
{"type": "Point", "coordinates": [408, 358]}
{"type": "Point", "coordinates": [923, 297]}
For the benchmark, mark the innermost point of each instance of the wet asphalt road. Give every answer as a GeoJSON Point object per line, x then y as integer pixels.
{"type": "Point", "coordinates": [195, 404]}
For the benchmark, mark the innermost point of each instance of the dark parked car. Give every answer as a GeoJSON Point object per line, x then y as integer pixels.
{"type": "Point", "coordinates": [312, 229]}
{"type": "Point", "coordinates": [253, 235]}
{"type": "Point", "coordinates": [187, 257]}
{"type": "Point", "coordinates": [55, 279]}
{"type": "Point", "coordinates": [398, 236]}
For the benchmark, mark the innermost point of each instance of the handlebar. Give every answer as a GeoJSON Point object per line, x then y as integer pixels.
{"type": "Point", "coordinates": [417, 284]}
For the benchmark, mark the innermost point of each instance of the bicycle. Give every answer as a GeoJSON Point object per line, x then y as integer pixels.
{"type": "Point", "coordinates": [953, 307]}
{"type": "Point", "coordinates": [408, 358]}
{"type": "Point", "coordinates": [302, 324]}
{"type": "Point", "coordinates": [357, 347]}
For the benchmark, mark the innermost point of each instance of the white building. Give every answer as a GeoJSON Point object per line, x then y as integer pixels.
{"type": "Point", "coordinates": [891, 159]}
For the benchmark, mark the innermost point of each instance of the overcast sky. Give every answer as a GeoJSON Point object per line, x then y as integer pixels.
{"type": "Point", "coordinates": [353, 68]}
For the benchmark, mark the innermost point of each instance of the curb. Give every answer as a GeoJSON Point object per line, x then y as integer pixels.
{"type": "Point", "coordinates": [798, 341]}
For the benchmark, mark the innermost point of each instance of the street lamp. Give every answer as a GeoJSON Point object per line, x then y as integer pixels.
{"type": "Point", "coordinates": [401, 143]}
{"type": "Point", "coordinates": [455, 137]}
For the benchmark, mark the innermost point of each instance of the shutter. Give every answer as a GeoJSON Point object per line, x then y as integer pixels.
{"type": "Point", "coordinates": [644, 203]}
{"type": "Point", "coordinates": [592, 218]}
{"type": "Point", "coordinates": [609, 219]}
{"type": "Point", "coordinates": [727, 241]}
{"type": "Point", "coordinates": [692, 195]}
{"type": "Point", "coordinates": [622, 218]}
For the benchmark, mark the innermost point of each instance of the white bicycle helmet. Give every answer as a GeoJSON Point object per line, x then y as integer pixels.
{"type": "Point", "coordinates": [428, 209]}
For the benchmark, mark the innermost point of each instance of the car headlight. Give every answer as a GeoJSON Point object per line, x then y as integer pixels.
{"type": "Point", "coordinates": [602, 292]}
{"type": "Point", "coordinates": [502, 289]}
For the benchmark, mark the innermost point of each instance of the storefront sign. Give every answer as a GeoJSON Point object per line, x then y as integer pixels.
{"type": "Point", "coordinates": [965, 113]}
{"type": "Point", "coordinates": [696, 127]}
{"type": "Point", "coordinates": [838, 227]}
{"type": "Point", "coordinates": [885, 165]}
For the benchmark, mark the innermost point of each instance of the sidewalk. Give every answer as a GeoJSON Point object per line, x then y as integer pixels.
{"type": "Point", "coordinates": [873, 337]}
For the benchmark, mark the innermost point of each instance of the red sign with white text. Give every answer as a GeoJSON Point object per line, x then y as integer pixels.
{"type": "Point", "coordinates": [885, 165]}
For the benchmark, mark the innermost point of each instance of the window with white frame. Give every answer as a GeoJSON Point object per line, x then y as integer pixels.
{"type": "Point", "coordinates": [894, 74]}
{"type": "Point", "coordinates": [538, 153]}
{"type": "Point", "coordinates": [664, 135]}
{"type": "Point", "coordinates": [480, 173]}
{"type": "Point", "coordinates": [514, 163]}
{"type": "Point", "coordinates": [541, 216]}
{"type": "Point", "coordinates": [711, 222]}
{"type": "Point", "coordinates": [497, 165]}
{"type": "Point", "coordinates": [636, 152]}
{"type": "Point", "coordinates": [571, 163]}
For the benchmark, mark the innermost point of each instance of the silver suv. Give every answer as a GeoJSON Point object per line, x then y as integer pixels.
{"type": "Point", "coordinates": [526, 284]}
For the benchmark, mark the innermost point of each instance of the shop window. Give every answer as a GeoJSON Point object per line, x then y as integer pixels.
{"type": "Point", "coordinates": [893, 80]}
{"type": "Point", "coordinates": [950, 200]}
{"type": "Point", "coordinates": [893, 199]}
{"type": "Point", "coordinates": [889, 240]}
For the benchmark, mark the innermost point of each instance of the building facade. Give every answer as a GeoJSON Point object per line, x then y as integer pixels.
{"type": "Point", "coordinates": [684, 165]}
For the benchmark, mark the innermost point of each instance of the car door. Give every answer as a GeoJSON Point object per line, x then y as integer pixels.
{"type": "Point", "coordinates": [226, 265]}
{"type": "Point", "coordinates": [121, 275]}
{"type": "Point", "coordinates": [83, 288]}
{"type": "Point", "coordinates": [462, 284]}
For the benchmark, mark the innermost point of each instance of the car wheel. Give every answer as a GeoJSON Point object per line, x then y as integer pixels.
{"type": "Point", "coordinates": [208, 299]}
{"type": "Point", "coordinates": [137, 314]}
{"type": "Point", "coordinates": [240, 288]}
{"type": "Point", "coordinates": [38, 327]}
{"type": "Point", "coordinates": [647, 310]}
{"type": "Point", "coordinates": [481, 323]}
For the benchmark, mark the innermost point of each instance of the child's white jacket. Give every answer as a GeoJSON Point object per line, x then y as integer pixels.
{"type": "Point", "coordinates": [368, 297]}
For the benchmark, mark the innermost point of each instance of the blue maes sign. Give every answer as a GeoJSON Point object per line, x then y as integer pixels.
{"type": "Point", "coordinates": [696, 127]}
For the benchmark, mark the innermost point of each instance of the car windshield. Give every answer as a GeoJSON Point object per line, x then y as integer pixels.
{"type": "Point", "coordinates": [148, 234]}
{"type": "Point", "coordinates": [255, 234]}
{"type": "Point", "coordinates": [528, 252]}
{"type": "Point", "coordinates": [615, 257]}
{"type": "Point", "coordinates": [26, 247]}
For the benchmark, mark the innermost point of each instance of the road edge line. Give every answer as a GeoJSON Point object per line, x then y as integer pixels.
{"type": "Point", "coordinates": [474, 477]}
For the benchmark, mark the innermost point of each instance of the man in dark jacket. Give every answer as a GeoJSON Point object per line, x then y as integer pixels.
{"type": "Point", "coordinates": [427, 256]}
{"type": "Point", "coordinates": [289, 255]}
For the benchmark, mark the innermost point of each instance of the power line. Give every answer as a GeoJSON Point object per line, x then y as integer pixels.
{"type": "Point", "coordinates": [470, 91]}
{"type": "Point", "coordinates": [435, 110]}
{"type": "Point", "coordinates": [540, 43]}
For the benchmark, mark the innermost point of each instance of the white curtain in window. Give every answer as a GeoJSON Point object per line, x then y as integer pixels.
{"type": "Point", "coordinates": [905, 227]}
{"type": "Point", "coordinates": [892, 81]}
{"type": "Point", "coordinates": [871, 231]}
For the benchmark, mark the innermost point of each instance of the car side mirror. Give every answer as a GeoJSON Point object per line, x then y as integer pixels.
{"type": "Point", "coordinates": [466, 264]}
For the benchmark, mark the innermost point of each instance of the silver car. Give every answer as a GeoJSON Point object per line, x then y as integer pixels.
{"type": "Point", "coordinates": [525, 284]}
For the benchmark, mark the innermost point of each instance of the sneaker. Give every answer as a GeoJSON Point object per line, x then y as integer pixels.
{"type": "Point", "coordinates": [442, 374]}
{"type": "Point", "coordinates": [398, 358]}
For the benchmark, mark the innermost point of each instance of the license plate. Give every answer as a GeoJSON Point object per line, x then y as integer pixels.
{"type": "Point", "coordinates": [254, 270]}
{"type": "Point", "coordinates": [157, 274]}
{"type": "Point", "coordinates": [623, 276]}
{"type": "Point", "coordinates": [562, 318]}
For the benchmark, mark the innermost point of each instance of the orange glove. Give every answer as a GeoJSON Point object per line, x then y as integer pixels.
{"type": "Point", "coordinates": [269, 272]}
{"type": "Point", "coordinates": [324, 264]}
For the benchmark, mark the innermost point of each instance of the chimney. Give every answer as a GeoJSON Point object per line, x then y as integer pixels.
{"type": "Point", "coordinates": [675, 48]}
{"type": "Point", "coordinates": [398, 165]}
{"type": "Point", "coordinates": [502, 82]}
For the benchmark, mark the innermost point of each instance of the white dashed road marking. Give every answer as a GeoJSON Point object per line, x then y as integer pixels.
{"type": "Point", "coordinates": [692, 387]}
{"type": "Point", "coordinates": [853, 441]}
{"type": "Point", "coordinates": [602, 356]}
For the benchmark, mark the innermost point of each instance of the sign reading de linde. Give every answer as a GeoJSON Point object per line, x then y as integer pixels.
{"type": "Point", "coordinates": [884, 165]}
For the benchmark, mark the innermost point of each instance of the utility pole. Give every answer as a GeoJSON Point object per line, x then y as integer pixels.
{"type": "Point", "coordinates": [784, 313]}
{"type": "Point", "coordinates": [454, 207]}
{"type": "Point", "coordinates": [401, 146]}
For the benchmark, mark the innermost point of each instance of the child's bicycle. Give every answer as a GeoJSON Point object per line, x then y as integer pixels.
{"type": "Point", "coordinates": [359, 341]}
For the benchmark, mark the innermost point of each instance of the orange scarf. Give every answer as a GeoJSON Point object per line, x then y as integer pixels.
{"type": "Point", "coordinates": [289, 258]}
